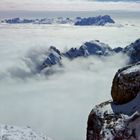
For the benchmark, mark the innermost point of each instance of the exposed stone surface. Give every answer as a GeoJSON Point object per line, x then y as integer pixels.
{"type": "Point", "coordinates": [109, 121]}
{"type": "Point", "coordinates": [133, 51]}
{"type": "Point", "coordinates": [89, 48]}
{"type": "Point", "coordinates": [126, 84]}
{"type": "Point", "coordinates": [118, 119]}
{"type": "Point", "coordinates": [53, 58]}
{"type": "Point", "coordinates": [95, 48]}
{"type": "Point", "coordinates": [99, 20]}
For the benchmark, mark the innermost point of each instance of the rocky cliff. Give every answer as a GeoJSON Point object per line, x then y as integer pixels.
{"type": "Point", "coordinates": [118, 119]}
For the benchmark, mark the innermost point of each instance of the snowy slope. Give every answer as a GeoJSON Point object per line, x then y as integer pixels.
{"type": "Point", "coordinates": [8, 132]}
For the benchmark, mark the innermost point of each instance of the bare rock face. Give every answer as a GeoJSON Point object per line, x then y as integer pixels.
{"type": "Point", "coordinates": [126, 84]}
{"type": "Point", "coordinates": [133, 51]}
{"type": "Point", "coordinates": [118, 119]}
{"type": "Point", "coordinates": [109, 121]}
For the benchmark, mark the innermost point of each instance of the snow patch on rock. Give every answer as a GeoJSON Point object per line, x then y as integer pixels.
{"type": "Point", "coordinates": [8, 132]}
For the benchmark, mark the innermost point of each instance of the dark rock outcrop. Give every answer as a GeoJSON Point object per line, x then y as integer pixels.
{"type": "Point", "coordinates": [18, 20]}
{"type": "Point", "coordinates": [111, 121]}
{"type": "Point", "coordinates": [118, 50]}
{"type": "Point", "coordinates": [126, 84]}
{"type": "Point", "coordinates": [95, 48]}
{"type": "Point", "coordinates": [53, 58]}
{"type": "Point", "coordinates": [91, 48]}
{"type": "Point", "coordinates": [99, 20]}
{"type": "Point", "coordinates": [133, 51]}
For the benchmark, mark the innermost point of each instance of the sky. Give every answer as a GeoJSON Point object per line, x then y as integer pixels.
{"type": "Point", "coordinates": [69, 5]}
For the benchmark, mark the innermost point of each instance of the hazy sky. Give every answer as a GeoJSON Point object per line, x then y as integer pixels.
{"type": "Point", "coordinates": [74, 5]}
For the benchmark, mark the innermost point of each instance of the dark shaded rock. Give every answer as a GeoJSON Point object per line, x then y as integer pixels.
{"type": "Point", "coordinates": [13, 21]}
{"type": "Point", "coordinates": [133, 51]}
{"type": "Point", "coordinates": [73, 53]}
{"type": "Point", "coordinates": [53, 58]}
{"type": "Point", "coordinates": [95, 48]}
{"type": "Point", "coordinates": [118, 119]}
{"type": "Point", "coordinates": [18, 20]}
{"type": "Point", "coordinates": [118, 50]}
{"type": "Point", "coordinates": [126, 84]}
{"type": "Point", "coordinates": [109, 121]}
{"type": "Point", "coordinates": [89, 48]}
{"type": "Point", "coordinates": [99, 20]}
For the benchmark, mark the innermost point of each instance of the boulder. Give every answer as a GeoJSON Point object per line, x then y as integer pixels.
{"type": "Point", "coordinates": [126, 84]}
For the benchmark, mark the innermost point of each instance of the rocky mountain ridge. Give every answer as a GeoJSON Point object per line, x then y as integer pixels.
{"type": "Point", "coordinates": [92, 48]}
{"type": "Point", "coordinates": [78, 21]}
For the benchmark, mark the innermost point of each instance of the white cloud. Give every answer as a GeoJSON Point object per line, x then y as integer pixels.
{"type": "Point", "coordinates": [57, 105]}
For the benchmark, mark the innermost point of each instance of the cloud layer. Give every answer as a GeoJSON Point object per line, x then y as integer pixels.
{"type": "Point", "coordinates": [57, 105]}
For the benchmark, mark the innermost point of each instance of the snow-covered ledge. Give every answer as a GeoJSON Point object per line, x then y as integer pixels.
{"type": "Point", "coordinates": [8, 132]}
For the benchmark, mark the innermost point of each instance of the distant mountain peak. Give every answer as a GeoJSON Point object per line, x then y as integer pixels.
{"type": "Point", "coordinates": [98, 20]}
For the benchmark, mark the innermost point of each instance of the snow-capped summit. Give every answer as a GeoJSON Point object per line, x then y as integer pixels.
{"type": "Point", "coordinates": [133, 51]}
{"type": "Point", "coordinates": [89, 48]}
{"type": "Point", "coordinates": [53, 57]}
{"type": "Point", "coordinates": [96, 48]}
{"type": "Point", "coordinates": [99, 20]}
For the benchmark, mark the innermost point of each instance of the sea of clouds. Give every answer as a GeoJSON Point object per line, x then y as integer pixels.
{"type": "Point", "coordinates": [57, 104]}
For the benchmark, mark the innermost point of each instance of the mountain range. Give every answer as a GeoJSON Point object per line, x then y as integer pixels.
{"type": "Point", "coordinates": [78, 21]}
{"type": "Point", "coordinates": [91, 48]}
